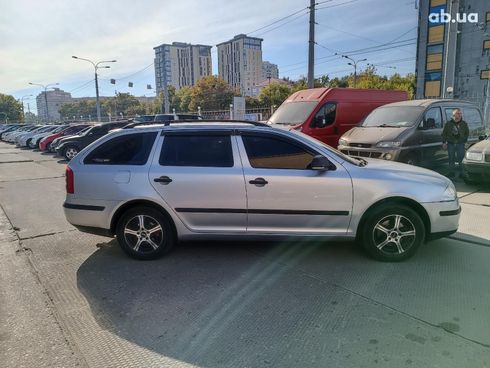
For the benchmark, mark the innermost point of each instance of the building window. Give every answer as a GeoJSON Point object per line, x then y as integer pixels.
{"type": "Point", "coordinates": [432, 88]}
{"type": "Point", "coordinates": [486, 45]}
{"type": "Point", "coordinates": [488, 16]}
{"type": "Point", "coordinates": [485, 74]}
{"type": "Point", "coordinates": [436, 34]}
{"type": "Point", "coordinates": [433, 76]}
{"type": "Point", "coordinates": [434, 62]}
{"type": "Point", "coordinates": [437, 3]}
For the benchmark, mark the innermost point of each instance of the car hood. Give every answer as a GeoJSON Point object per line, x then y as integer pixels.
{"type": "Point", "coordinates": [372, 135]}
{"type": "Point", "coordinates": [406, 172]}
{"type": "Point", "coordinates": [482, 146]}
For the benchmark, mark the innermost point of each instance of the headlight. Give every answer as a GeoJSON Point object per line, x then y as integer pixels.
{"type": "Point", "coordinates": [389, 144]}
{"type": "Point", "coordinates": [474, 156]}
{"type": "Point", "coordinates": [343, 142]}
{"type": "Point", "coordinates": [450, 193]}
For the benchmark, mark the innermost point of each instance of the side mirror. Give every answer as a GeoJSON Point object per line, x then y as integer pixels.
{"type": "Point", "coordinates": [482, 137]}
{"type": "Point", "coordinates": [320, 163]}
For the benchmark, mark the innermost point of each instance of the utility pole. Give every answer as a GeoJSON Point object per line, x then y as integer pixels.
{"type": "Point", "coordinates": [311, 47]}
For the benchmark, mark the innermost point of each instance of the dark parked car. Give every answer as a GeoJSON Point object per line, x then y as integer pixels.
{"type": "Point", "coordinates": [70, 146]}
{"type": "Point", "coordinates": [476, 163]}
{"type": "Point", "coordinates": [410, 131]}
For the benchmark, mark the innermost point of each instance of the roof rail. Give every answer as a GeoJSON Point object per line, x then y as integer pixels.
{"type": "Point", "coordinates": [254, 123]}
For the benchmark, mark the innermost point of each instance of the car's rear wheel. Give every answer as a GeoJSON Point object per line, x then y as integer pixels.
{"type": "Point", "coordinates": [145, 233]}
{"type": "Point", "coordinates": [392, 233]}
{"type": "Point", "coordinates": [70, 152]}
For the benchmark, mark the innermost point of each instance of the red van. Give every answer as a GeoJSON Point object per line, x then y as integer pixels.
{"type": "Point", "coordinates": [327, 113]}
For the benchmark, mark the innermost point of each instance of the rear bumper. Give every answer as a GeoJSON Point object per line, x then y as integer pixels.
{"type": "Point", "coordinates": [90, 214]}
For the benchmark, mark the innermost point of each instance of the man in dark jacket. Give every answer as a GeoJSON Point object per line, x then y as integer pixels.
{"type": "Point", "coordinates": [454, 136]}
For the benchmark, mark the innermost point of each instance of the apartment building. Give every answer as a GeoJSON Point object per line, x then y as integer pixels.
{"type": "Point", "coordinates": [240, 63]}
{"type": "Point", "coordinates": [269, 70]}
{"type": "Point", "coordinates": [181, 64]}
{"type": "Point", "coordinates": [49, 104]}
{"type": "Point", "coordinates": [453, 53]}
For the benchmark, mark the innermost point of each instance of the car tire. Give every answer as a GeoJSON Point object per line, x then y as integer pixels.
{"type": "Point", "coordinates": [69, 152]}
{"type": "Point", "coordinates": [392, 233]}
{"type": "Point", "coordinates": [145, 233]}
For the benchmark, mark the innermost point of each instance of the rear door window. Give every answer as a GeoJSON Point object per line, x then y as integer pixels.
{"type": "Point", "coordinates": [130, 149]}
{"type": "Point", "coordinates": [274, 153]}
{"type": "Point", "coordinates": [197, 151]}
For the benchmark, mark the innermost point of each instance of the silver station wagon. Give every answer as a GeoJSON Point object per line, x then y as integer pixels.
{"type": "Point", "coordinates": [153, 186]}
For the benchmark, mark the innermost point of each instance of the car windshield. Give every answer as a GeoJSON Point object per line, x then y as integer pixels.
{"type": "Point", "coordinates": [292, 113]}
{"type": "Point", "coordinates": [393, 116]}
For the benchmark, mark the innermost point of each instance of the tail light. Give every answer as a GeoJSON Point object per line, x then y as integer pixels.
{"type": "Point", "coordinates": [70, 180]}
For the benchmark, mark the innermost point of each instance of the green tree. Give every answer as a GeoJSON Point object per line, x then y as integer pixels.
{"type": "Point", "coordinates": [211, 93]}
{"type": "Point", "coordinates": [274, 94]}
{"type": "Point", "coordinates": [10, 108]}
{"type": "Point", "coordinates": [183, 98]}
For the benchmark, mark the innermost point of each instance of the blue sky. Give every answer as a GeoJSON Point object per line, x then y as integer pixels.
{"type": "Point", "coordinates": [38, 38]}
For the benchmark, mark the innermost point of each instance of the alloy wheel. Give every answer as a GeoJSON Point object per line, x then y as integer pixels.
{"type": "Point", "coordinates": [143, 234]}
{"type": "Point", "coordinates": [394, 234]}
{"type": "Point", "coordinates": [71, 152]}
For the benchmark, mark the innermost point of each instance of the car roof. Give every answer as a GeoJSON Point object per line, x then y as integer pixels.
{"type": "Point", "coordinates": [428, 102]}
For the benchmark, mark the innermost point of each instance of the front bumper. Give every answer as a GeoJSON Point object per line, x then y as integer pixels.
{"type": "Point", "coordinates": [392, 154]}
{"type": "Point", "coordinates": [477, 168]}
{"type": "Point", "coordinates": [444, 217]}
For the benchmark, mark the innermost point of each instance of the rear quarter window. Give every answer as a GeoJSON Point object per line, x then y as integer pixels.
{"type": "Point", "coordinates": [129, 149]}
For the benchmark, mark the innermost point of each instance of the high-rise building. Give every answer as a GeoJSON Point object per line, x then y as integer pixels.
{"type": "Point", "coordinates": [269, 70]}
{"type": "Point", "coordinates": [55, 99]}
{"type": "Point", "coordinates": [181, 64]}
{"type": "Point", "coordinates": [240, 63]}
{"type": "Point", "coordinates": [453, 53]}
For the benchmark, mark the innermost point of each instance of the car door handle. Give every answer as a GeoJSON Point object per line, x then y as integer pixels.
{"type": "Point", "coordinates": [259, 181]}
{"type": "Point", "coordinates": [163, 180]}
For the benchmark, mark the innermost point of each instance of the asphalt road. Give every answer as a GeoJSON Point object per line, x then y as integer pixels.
{"type": "Point", "coordinates": [69, 299]}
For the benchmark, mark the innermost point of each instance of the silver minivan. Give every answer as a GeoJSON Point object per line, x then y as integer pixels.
{"type": "Point", "coordinates": [152, 186]}
{"type": "Point", "coordinates": [409, 131]}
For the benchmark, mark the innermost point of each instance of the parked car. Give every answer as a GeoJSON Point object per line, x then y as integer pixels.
{"type": "Point", "coordinates": [24, 139]}
{"type": "Point", "coordinates": [54, 144]}
{"type": "Point", "coordinates": [144, 118]}
{"type": "Point", "coordinates": [70, 146]}
{"type": "Point", "coordinates": [32, 139]}
{"type": "Point", "coordinates": [8, 128]}
{"type": "Point", "coordinates": [160, 184]}
{"type": "Point", "coordinates": [327, 113]}
{"type": "Point", "coordinates": [12, 135]}
{"type": "Point", "coordinates": [476, 164]}
{"type": "Point", "coordinates": [409, 131]}
{"type": "Point", "coordinates": [45, 142]}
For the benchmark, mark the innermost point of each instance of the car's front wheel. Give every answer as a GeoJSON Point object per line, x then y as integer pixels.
{"type": "Point", "coordinates": [70, 152]}
{"type": "Point", "coordinates": [145, 233]}
{"type": "Point", "coordinates": [392, 233]}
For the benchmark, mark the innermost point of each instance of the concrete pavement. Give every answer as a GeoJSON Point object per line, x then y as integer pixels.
{"type": "Point", "coordinates": [233, 304]}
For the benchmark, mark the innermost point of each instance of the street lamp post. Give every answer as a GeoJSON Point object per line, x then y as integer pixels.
{"type": "Point", "coordinates": [45, 86]}
{"type": "Point", "coordinates": [96, 67]}
{"type": "Point", "coordinates": [22, 101]}
{"type": "Point", "coordinates": [354, 64]}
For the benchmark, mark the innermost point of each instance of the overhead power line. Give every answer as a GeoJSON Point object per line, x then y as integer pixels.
{"type": "Point", "coordinates": [278, 20]}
